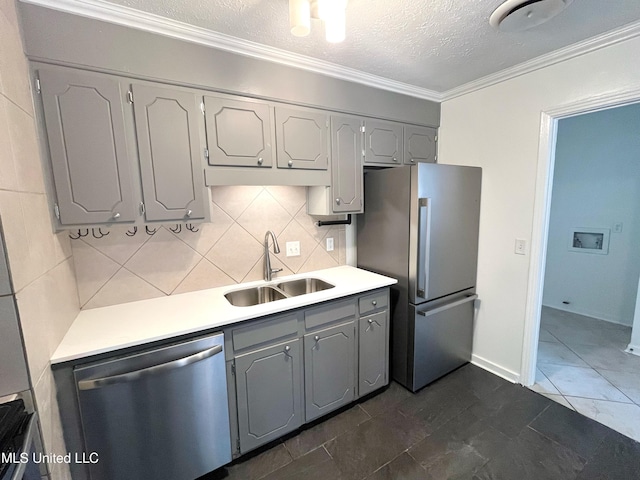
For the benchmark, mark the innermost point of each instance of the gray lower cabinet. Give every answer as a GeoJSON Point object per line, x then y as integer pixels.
{"type": "Point", "coordinates": [329, 369]}
{"type": "Point", "coordinates": [383, 142]}
{"type": "Point", "coordinates": [419, 144]}
{"type": "Point", "coordinates": [86, 131]}
{"type": "Point", "coordinates": [239, 132]}
{"type": "Point", "coordinates": [302, 138]}
{"type": "Point", "coordinates": [269, 393]}
{"type": "Point", "coordinates": [373, 352]}
{"type": "Point", "coordinates": [168, 123]}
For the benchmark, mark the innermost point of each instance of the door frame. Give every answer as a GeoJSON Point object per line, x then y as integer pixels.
{"type": "Point", "coordinates": [542, 207]}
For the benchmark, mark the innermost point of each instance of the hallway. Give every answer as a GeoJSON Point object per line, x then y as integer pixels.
{"type": "Point", "coordinates": [582, 365]}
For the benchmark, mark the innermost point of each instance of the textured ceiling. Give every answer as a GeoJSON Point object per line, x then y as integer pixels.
{"type": "Point", "coordinates": [435, 44]}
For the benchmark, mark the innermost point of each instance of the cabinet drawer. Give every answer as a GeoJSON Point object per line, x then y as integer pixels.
{"type": "Point", "coordinates": [331, 313]}
{"type": "Point", "coordinates": [264, 331]}
{"type": "Point", "coordinates": [375, 301]}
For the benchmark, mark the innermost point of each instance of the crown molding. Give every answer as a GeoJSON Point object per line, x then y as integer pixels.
{"type": "Point", "coordinates": [129, 17]}
{"type": "Point", "coordinates": [577, 49]}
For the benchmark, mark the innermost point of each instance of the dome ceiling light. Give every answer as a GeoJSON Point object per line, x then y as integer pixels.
{"type": "Point", "coordinates": [331, 12]}
{"type": "Point", "coordinates": [518, 15]}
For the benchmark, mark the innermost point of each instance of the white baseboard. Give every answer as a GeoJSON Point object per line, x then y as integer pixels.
{"type": "Point", "coordinates": [597, 316]}
{"type": "Point", "coordinates": [488, 365]}
{"type": "Point", "coordinates": [633, 349]}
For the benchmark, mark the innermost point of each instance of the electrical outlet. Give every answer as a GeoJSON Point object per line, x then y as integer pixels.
{"type": "Point", "coordinates": [330, 244]}
{"type": "Point", "coordinates": [293, 249]}
{"type": "Point", "coordinates": [521, 246]}
{"type": "Point", "coordinates": [617, 227]}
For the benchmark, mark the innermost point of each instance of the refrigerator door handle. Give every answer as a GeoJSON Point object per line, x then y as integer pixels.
{"type": "Point", "coordinates": [424, 246]}
{"type": "Point", "coordinates": [427, 313]}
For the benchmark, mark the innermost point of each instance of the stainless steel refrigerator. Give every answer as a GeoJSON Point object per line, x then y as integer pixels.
{"type": "Point", "coordinates": [420, 226]}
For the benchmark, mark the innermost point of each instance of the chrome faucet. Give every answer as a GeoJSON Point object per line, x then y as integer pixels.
{"type": "Point", "coordinates": [268, 271]}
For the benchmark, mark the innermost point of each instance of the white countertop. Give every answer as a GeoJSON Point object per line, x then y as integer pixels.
{"type": "Point", "coordinates": [107, 329]}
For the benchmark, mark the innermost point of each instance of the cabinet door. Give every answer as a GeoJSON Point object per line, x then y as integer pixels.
{"type": "Point", "coordinates": [373, 354]}
{"type": "Point", "coordinates": [419, 144]}
{"type": "Point", "coordinates": [329, 369]}
{"type": "Point", "coordinates": [302, 139]}
{"type": "Point", "coordinates": [238, 132]}
{"type": "Point", "coordinates": [269, 389]}
{"type": "Point", "coordinates": [168, 123]}
{"type": "Point", "coordinates": [346, 164]}
{"type": "Point", "coordinates": [85, 127]}
{"type": "Point", "coordinates": [383, 142]}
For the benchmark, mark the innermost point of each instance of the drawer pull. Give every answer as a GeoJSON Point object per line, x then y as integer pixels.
{"type": "Point", "coordinates": [370, 321]}
{"type": "Point", "coordinates": [374, 303]}
{"type": "Point", "coordinates": [287, 348]}
{"type": "Point", "coordinates": [316, 338]}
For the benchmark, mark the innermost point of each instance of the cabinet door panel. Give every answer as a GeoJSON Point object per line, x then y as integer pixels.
{"type": "Point", "coordinates": [383, 142]}
{"type": "Point", "coordinates": [269, 389]}
{"type": "Point", "coordinates": [168, 129]}
{"type": "Point", "coordinates": [329, 367]}
{"type": "Point", "coordinates": [419, 144]}
{"type": "Point", "coordinates": [238, 132]}
{"type": "Point", "coordinates": [302, 139]}
{"type": "Point", "coordinates": [85, 128]}
{"type": "Point", "coordinates": [373, 356]}
{"type": "Point", "coordinates": [346, 164]}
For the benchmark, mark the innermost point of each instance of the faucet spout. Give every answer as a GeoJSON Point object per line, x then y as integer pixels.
{"type": "Point", "coordinates": [268, 271]}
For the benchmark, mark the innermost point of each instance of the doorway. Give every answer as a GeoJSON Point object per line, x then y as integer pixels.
{"type": "Point", "coordinates": [576, 323]}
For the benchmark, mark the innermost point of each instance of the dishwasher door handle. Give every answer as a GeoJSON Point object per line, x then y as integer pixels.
{"type": "Point", "coordinates": [136, 374]}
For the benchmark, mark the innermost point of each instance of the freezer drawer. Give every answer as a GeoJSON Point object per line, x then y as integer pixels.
{"type": "Point", "coordinates": [442, 339]}
{"type": "Point", "coordinates": [160, 414]}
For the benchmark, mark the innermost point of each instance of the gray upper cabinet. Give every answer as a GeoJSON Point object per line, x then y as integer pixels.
{"type": "Point", "coordinates": [302, 139]}
{"type": "Point", "coordinates": [383, 142]}
{"type": "Point", "coordinates": [346, 164]}
{"type": "Point", "coordinates": [168, 128]}
{"type": "Point", "coordinates": [269, 393]}
{"type": "Point", "coordinates": [373, 354]}
{"type": "Point", "coordinates": [86, 131]}
{"type": "Point", "coordinates": [239, 132]}
{"type": "Point", "coordinates": [329, 366]}
{"type": "Point", "coordinates": [419, 144]}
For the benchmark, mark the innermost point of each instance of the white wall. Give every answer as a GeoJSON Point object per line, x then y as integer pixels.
{"type": "Point", "coordinates": [634, 345]}
{"type": "Point", "coordinates": [596, 183]}
{"type": "Point", "coordinates": [498, 129]}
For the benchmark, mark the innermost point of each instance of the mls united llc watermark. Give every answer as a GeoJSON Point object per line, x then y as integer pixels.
{"type": "Point", "coordinates": [50, 458]}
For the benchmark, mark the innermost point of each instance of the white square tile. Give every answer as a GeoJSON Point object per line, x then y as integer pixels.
{"type": "Point", "coordinates": [123, 287]}
{"type": "Point", "coordinates": [235, 253]}
{"type": "Point", "coordinates": [607, 358]}
{"type": "Point", "coordinates": [309, 224]}
{"type": "Point", "coordinates": [290, 198]}
{"type": "Point", "coordinates": [627, 382]}
{"type": "Point", "coordinates": [318, 260]}
{"type": "Point", "coordinates": [207, 234]}
{"type": "Point", "coordinates": [295, 233]}
{"type": "Point", "coordinates": [543, 385]}
{"type": "Point", "coordinates": [93, 269]}
{"type": "Point", "coordinates": [582, 382]}
{"type": "Point", "coordinates": [559, 399]}
{"type": "Point", "coordinates": [545, 336]}
{"type": "Point", "coordinates": [622, 417]}
{"type": "Point", "coordinates": [163, 261]}
{"type": "Point", "coordinates": [14, 76]}
{"type": "Point", "coordinates": [558, 354]}
{"type": "Point", "coordinates": [117, 245]}
{"type": "Point", "coordinates": [204, 275]}
{"type": "Point", "coordinates": [264, 214]}
{"type": "Point", "coordinates": [8, 176]}
{"type": "Point", "coordinates": [234, 199]}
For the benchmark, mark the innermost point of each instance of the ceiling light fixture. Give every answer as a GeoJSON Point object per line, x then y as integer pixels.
{"type": "Point", "coordinates": [518, 15]}
{"type": "Point", "coordinates": [331, 12]}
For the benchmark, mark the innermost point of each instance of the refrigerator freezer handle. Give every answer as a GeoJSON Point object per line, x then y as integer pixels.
{"type": "Point", "coordinates": [426, 313]}
{"type": "Point", "coordinates": [424, 246]}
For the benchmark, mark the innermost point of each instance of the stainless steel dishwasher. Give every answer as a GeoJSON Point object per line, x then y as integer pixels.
{"type": "Point", "coordinates": [160, 414]}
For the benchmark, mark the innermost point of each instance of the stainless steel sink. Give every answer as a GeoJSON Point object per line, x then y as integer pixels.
{"type": "Point", "coordinates": [301, 286]}
{"type": "Point", "coordinates": [270, 293]}
{"type": "Point", "coordinates": [254, 296]}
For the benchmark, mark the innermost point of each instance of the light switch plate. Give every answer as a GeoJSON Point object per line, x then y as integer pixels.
{"type": "Point", "coordinates": [330, 244]}
{"type": "Point", "coordinates": [521, 246]}
{"type": "Point", "coordinates": [617, 227]}
{"type": "Point", "coordinates": [293, 249]}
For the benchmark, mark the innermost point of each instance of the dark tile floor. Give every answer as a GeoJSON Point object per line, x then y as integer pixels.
{"type": "Point", "coordinates": [467, 425]}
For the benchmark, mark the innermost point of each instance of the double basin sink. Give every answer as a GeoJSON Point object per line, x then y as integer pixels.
{"type": "Point", "coordinates": [271, 293]}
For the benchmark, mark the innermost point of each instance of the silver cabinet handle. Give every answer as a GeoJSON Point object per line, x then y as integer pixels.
{"type": "Point", "coordinates": [290, 163]}
{"type": "Point", "coordinates": [412, 160]}
{"type": "Point", "coordinates": [337, 201]}
{"type": "Point", "coordinates": [316, 338]}
{"type": "Point", "coordinates": [374, 303]}
{"type": "Point", "coordinates": [116, 215]}
{"type": "Point", "coordinates": [395, 159]}
{"type": "Point", "coordinates": [260, 161]}
{"type": "Point", "coordinates": [144, 372]}
{"type": "Point", "coordinates": [287, 348]}
{"type": "Point", "coordinates": [189, 212]}
{"type": "Point", "coordinates": [370, 321]}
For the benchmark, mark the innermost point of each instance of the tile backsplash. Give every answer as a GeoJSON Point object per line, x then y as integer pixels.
{"type": "Point", "coordinates": [119, 268]}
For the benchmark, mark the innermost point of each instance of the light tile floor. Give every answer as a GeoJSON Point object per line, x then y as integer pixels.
{"type": "Point", "coordinates": [583, 366]}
